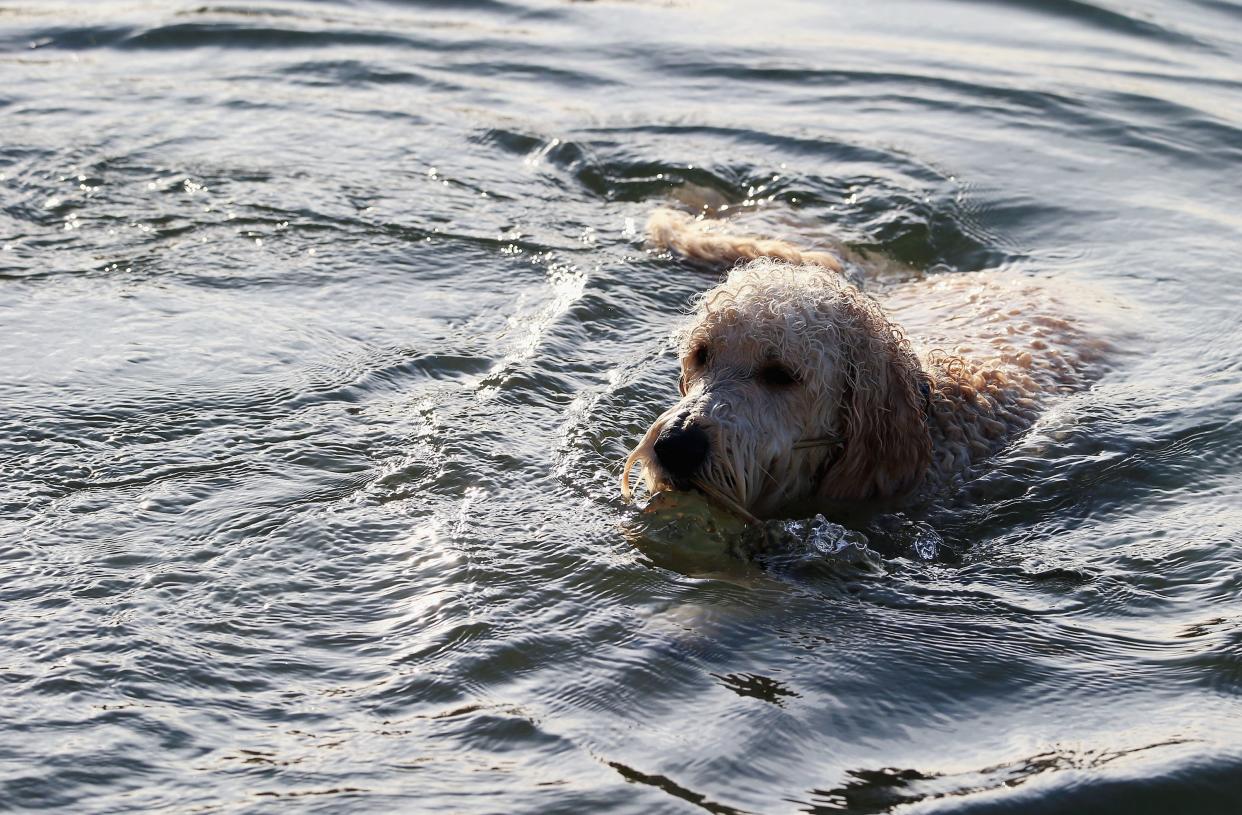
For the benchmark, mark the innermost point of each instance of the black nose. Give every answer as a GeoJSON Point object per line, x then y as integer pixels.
{"type": "Point", "coordinates": [681, 450]}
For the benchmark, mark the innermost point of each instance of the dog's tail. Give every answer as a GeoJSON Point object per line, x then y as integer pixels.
{"type": "Point", "coordinates": [704, 241]}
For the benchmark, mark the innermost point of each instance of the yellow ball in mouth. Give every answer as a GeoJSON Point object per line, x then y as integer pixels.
{"type": "Point", "coordinates": [693, 506]}
{"type": "Point", "coordinates": [686, 533]}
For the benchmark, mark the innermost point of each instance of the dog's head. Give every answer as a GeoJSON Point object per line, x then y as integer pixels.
{"type": "Point", "coordinates": [794, 386]}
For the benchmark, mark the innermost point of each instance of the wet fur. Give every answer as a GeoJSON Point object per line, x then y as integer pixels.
{"type": "Point", "coordinates": [899, 417]}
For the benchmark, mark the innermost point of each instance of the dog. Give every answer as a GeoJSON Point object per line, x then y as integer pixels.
{"type": "Point", "coordinates": [798, 388]}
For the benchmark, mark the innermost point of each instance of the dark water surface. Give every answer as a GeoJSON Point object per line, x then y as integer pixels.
{"type": "Point", "coordinates": [326, 327]}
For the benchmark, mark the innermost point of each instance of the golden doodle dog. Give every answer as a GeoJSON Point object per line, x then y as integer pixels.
{"type": "Point", "coordinates": [798, 388]}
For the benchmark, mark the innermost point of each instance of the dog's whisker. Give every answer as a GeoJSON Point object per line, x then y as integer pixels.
{"type": "Point", "coordinates": [724, 501]}
{"type": "Point", "coordinates": [785, 485]}
{"type": "Point", "coordinates": [822, 441]}
{"type": "Point", "coordinates": [739, 478]}
{"type": "Point", "coordinates": [768, 473]}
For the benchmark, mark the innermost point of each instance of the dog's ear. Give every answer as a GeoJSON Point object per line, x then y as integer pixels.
{"type": "Point", "coordinates": [887, 446]}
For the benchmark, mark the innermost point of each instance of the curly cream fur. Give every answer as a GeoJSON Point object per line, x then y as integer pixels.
{"type": "Point", "coordinates": [884, 418]}
{"type": "Point", "coordinates": [697, 239]}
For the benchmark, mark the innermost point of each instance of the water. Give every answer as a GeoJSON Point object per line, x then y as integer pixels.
{"type": "Point", "coordinates": [326, 329]}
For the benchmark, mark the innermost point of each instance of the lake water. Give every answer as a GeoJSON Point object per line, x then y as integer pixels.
{"type": "Point", "coordinates": [326, 327]}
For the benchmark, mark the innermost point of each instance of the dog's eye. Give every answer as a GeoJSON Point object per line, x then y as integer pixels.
{"type": "Point", "coordinates": [699, 355]}
{"type": "Point", "coordinates": [777, 376]}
